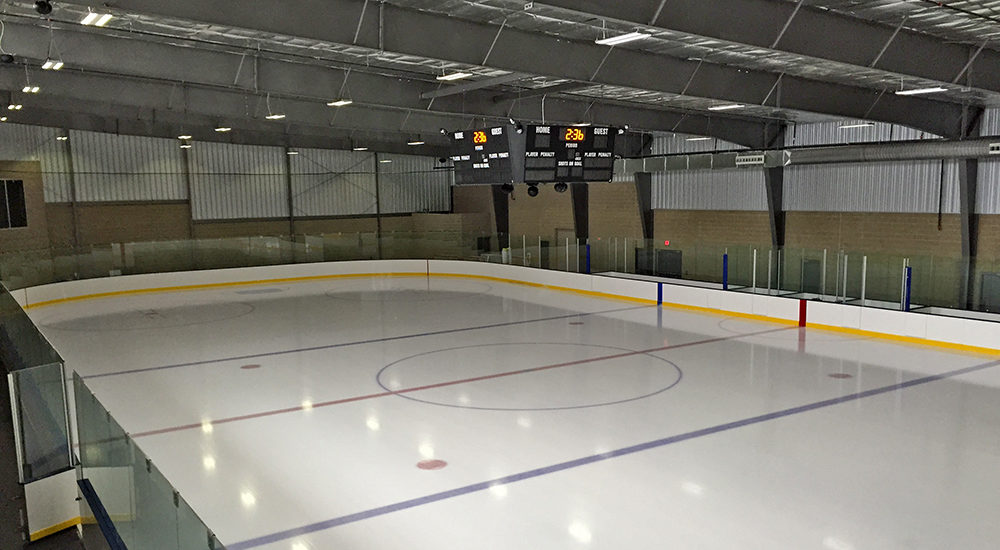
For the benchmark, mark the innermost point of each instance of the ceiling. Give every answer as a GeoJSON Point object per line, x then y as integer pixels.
{"type": "Point", "coordinates": [188, 66]}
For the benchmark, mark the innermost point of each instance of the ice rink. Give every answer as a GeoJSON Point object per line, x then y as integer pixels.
{"type": "Point", "coordinates": [426, 413]}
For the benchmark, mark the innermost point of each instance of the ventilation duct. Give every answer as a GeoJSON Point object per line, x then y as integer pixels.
{"type": "Point", "coordinates": [869, 152]}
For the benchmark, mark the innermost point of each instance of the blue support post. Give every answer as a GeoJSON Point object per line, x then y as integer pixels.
{"type": "Point", "coordinates": [588, 258]}
{"type": "Point", "coordinates": [725, 272]}
{"type": "Point", "coordinates": [659, 294]}
{"type": "Point", "coordinates": [909, 288]}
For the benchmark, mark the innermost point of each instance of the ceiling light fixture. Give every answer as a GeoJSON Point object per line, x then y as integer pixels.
{"type": "Point", "coordinates": [184, 136]}
{"type": "Point", "coordinates": [3, 119]}
{"type": "Point", "coordinates": [415, 142]}
{"type": "Point", "coordinates": [359, 149]}
{"type": "Point", "coordinates": [699, 139]}
{"type": "Point", "coordinates": [622, 38]}
{"type": "Point", "coordinates": [859, 125]}
{"type": "Point", "coordinates": [96, 19]}
{"type": "Point", "coordinates": [292, 152]}
{"type": "Point", "coordinates": [727, 107]}
{"type": "Point", "coordinates": [52, 65]}
{"type": "Point", "coordinates": [14, 107]}
{"type": "Point", "coordinates": [31, 89]}
{"type": "Point", "coordinates": [62, 138]}
{"type": "Point", "coordinates": [918, 91]}
{"type": "Point", "coordinates": [271, 115]}
{"type": "Point", "coordinates": [385, 161]}
{"type": "Point", "coordinates": [223, 129]}
{"type": "Point", "coordinates": [340, 103]}
{"type": "Point", "coordinates": [453, 76]}
{"type": "Point", "coordinates": [185, 146]}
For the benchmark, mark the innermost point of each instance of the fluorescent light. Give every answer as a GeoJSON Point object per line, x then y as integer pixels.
{"type": "Point", "coordinates": [58, 65]}
{"type": "Point", "coordinates": [3, 119]}
{"type": "Point", "coordinates": [188, 146]}
{"type": "Point", "coordinates": [96, 19]}
{"type": "Point", "coordinates": [726, 107]}
{"type": "Point", "coordinates": [385, 161]}
{"type": "Point", "coordinates": [183, 136]}
{"type": "Point", "coordinates": [223, 129]}
{"type": "Point", "coordinates": [918, 91]}
{"type": "Point", "coordinates": [62, 138]}
{"type": "Point", "coordinates": [14, 107]}
{"type": "Point", "coordinates": [360, 149]}
{"type": "Point", "coordinates": [340, 103]}
{"type": "Point", "coordinates": [48, 64]}
{"type": "Point", "coordinates": [622, 38]}
{"type": "Point", "coordinates": [31, 89]}
{"type": "Point", "coordinates": [454, 76]}
{"type": "Point", "coordinates": [581, 124]}
{"type": "Point", "coordinates": [275, 117]}
{"type": "Point", "coordinates": [415, 142]}
{"type": "Point", "coordinates": [293, 152]}
{"type": "Point", "coordinates": [699, 139]}
{"type": "Point", "coordinates": [859, 125]}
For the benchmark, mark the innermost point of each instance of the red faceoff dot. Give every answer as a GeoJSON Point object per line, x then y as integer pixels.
{"type": "Point", "coordinates": [840, 375]}
{"type": "Point", "coordinates": [431, 464]}
{"type": "Point", "coordinates": [248, 367]}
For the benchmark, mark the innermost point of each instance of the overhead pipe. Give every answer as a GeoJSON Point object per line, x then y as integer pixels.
{"type": "Point", "coordinates": [823, 154]}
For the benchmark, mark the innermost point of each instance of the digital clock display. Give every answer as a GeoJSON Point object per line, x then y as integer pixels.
{"type": "Point", "coordinates": [574, 134]}
{"type": "Point", "coordinates": [478, 137]}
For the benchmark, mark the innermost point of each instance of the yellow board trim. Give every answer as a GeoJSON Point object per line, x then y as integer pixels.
{"type": "Point", "coordinates": [207, 286]}
{"type": "Point", "coordinates": [909, 339]}
{"type": "Point", "coordinates": [699, 309]}
{"type": "Point", "coordinates": [55, 529]}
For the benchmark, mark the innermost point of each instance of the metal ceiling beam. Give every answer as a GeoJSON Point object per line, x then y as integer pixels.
{"type": "Point", "coordinates": [411, 32]}
{"type": "Point", "coordinates": [171, 77]}
{"type": "Point", "coordinates": [470, 86]}
{"type": "Point", "coordinates": [538, 92]}
{"type": "Point", "coordinates": [116, 119]}
{"type": "Point", "coordinates": [813, 32]}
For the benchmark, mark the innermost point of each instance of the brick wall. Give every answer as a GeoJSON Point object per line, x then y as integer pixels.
{"type": "Point", "coordinates": [614, 211]}
{"type": "Point", "coordinates": [914, 234]}
{"type": "Point", "coordinates": [540, 216]}
{"type": "Point", "coordinates": [118, 223]}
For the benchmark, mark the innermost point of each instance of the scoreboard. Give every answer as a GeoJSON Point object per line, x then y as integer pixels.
{"type": "Point", "coordinates": [533, 154]}
{"type": "Point", "coordinates": [488, 156]}
{"type": "Point", "coordinates": [569, 154]}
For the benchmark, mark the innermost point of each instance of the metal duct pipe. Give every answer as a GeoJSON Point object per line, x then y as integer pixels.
{"type": "Point", "coordinates": [886, 152]}
{"type": "Point", "coordinates": [824, 154]}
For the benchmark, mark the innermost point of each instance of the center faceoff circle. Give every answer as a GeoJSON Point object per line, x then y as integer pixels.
{"type": "Point", "coordinates": [529, 376]}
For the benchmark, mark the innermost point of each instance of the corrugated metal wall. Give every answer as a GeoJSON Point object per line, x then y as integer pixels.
{"type": "Point", "coordinates": [735, 189]}
{"type": "Point", "coordinates": [332, 183]}
{"type": "Point", "coordinates": [411, 184]}
{"type": "Point", "coordinates": [127, 168]}
{"type": "Point", "coordinates": [991, 122]}
{"type": "Point", "coordinates": [875, 187]}
{"type": "Point", "coordinates": [237, 181]}
{"type": "Point", "coordinates": [830, 133]}
{"type": "Point", "coordinates": [21, 142]}
{"type": "Point", "coordinates": [989, 187]}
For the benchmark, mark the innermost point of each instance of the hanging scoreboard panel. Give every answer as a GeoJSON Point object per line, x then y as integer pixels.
{"type": "Point", "coordinates": [569, 154]}
{"type": "Point", "coordinates": [487, 156]}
